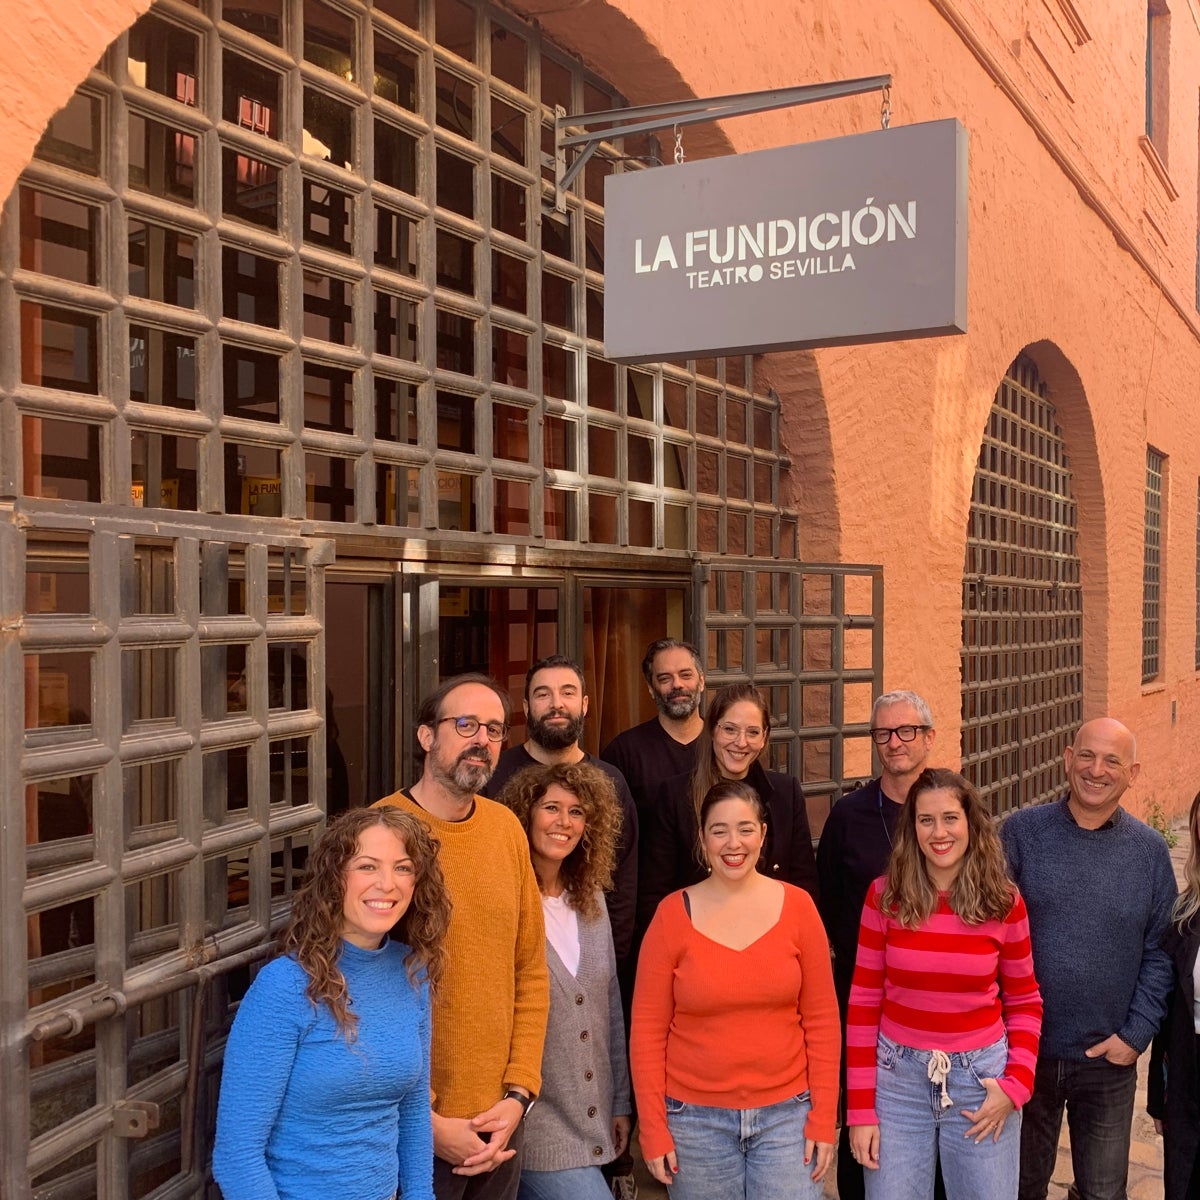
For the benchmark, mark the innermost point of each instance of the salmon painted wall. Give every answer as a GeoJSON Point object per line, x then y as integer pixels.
{"type": "Point", "coordinates": [1082, 250]}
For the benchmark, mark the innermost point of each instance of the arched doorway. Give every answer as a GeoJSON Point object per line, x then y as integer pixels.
{"type": "Point", "coordinates": [1022, 617]}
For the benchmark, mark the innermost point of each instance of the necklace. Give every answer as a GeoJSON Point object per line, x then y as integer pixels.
{"type": "Point", "coordinates": [887, 833]}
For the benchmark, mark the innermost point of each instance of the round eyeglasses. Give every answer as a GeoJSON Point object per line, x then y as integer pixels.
{"type": "Point", "coordinates": [467, 727]}
{"type": "Point", "coordinates": [906, 733]}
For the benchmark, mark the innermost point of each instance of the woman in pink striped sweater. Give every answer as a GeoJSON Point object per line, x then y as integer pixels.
{"type": "Point", "coordinates": [945, 1013]}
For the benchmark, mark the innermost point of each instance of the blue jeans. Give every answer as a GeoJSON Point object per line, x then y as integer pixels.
{"type": "Point", "coordinates": [577, 1183]}
{"type": "Point", "coordinates": [914, 1128]}
{"type": "Point", "coordinates": [1098, 1097]}
{"type": "Point", "coordinates": [741, 1153]}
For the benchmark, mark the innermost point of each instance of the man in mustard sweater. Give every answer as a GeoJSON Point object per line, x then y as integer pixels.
{"type": "Point", "coordinates": [489, 1012]}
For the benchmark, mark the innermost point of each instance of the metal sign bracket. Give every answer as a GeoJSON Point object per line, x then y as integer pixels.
{"type": "Point", "coordinates": [645, 118]}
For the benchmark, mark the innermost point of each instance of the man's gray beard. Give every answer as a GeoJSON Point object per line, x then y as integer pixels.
{"type": "Point", "coordinates": [551, 737]}
{"type": "Point", "coordinates": [679, 708]}
{"type": "Point", "coordinates": [466, 777]}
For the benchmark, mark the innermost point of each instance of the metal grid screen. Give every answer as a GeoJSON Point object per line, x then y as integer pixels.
{"type": "Point", "coordinates": [291, 260]}
{"type": "Point", "coordinates": [811, 637]}
{"type": "Point", "coordinates": [1152, 565]}
{"type": "Point", "coordinates": [1022, 631]}
{"type": "Point", "coordinates": [160, 683]}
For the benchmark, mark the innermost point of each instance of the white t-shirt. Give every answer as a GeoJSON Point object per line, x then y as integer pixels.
{"type": "Point", "coordinates": [1196, 993]}
{"type": "Point", "coordinates": [562, 928]}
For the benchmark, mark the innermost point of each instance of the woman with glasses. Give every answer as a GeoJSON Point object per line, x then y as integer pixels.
{"type": "Point", "coordinates": [325, 1087]}
{"type": "Point", "coordinates": [581, 1120]}
{"type": "Point", "coordinates": [1174, 1083]}
{"type": "Point", "coordinates": [735, 1041]}
{"type": "Point", "coordinates": [728, 748]}
{"type": "Point", "coordinates": [945, 1013]}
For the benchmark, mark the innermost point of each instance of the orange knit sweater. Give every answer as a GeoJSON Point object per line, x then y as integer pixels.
{"type": "Point", "coordinates": [734, 1028]}
{"type": "Point", "coordinates": [490, 1010]}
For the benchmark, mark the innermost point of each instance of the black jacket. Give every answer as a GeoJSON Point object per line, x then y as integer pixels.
{"type": "Point", "coordinates": [1171, 1089]}
{"type": "Point", "coordinates": [670, 835]}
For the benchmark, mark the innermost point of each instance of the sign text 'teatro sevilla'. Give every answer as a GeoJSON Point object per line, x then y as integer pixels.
{"type": "Point", "coordinates": [854, 239]}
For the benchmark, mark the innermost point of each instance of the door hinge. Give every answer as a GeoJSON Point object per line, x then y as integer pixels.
{"type": "Point", "coordinates": [134, 1118]}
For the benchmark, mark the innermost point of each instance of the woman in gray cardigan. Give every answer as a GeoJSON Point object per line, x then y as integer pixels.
{"type": "Point", "coordinates": [581, 1117]}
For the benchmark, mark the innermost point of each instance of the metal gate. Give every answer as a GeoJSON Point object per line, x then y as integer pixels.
{"type": "Point", "coordinates": [811, 637]}
{"type": "Point", "coordinates": [1022, 624]}
{"type": "Point", "coordinates": [161, 702]}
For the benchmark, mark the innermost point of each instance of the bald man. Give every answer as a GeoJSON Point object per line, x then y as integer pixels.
{"type": "Point", "coordinates": [1099, 888]}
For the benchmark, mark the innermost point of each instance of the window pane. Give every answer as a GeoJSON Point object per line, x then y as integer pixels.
{"type": "Point", "coordinates": [395, 71]}
{"type": "Point", "coordinates": [162, 58]}
{"type": "Point", "coordinates": [58, 236]}
{"type": "Point", "coordinates": [62, 682]}
{"type": "Point", "coordinates": [328, 128]}
{"type": "Point", "coordinates": [252, 484]}
{"type": "Point", "coordinates": [251, 384]}
{"type": "Point", "coordinates": [162, 264]}
{"type": "Point", "coordinates": [165, 470]}
{"type": "Point", "coordinates": [58, 348]}
{"type": "Point", "coordinates": [249, 189]}
{"type": "Point", "coordinates": [328, 398]}
{"type": "Point", "coordinates": [395, 410]}
{"type": "Point", "coordinates": [329, 487]}
{"type": "Point", "coordinates": [328, 217]}
{"type": "Point", "coordinates": [61, 459]}
{"type": "Point", "coordinates": [162, 159]}
{"type": "Point", "coordinates": [250, 287]}
{"type": "Point", "coordinates": [162, 367]}
{"type": "Point", "coordinates": [250, 96]}
{"type": "Point", "coordinates": [456, 422]}
{"type": "Point", "coordinates": [72, 137]}
{"type": "Point", "coordinates": [328, 315]}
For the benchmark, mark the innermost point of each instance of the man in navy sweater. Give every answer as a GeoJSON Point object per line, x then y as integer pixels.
{"type": "Point", "coordinates": [1099, 888]}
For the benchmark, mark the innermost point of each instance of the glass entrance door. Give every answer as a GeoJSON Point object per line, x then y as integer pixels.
{"type": "Point", "coordinates": [501, 625]}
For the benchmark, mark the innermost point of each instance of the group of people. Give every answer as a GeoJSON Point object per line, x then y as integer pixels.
{"type": "Point", "coordinates": [466, 959]}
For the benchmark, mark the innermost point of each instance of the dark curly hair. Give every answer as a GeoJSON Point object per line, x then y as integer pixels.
{"type": "Point", "coordinates": [313, 934]}
{"type": "Point", "coordinates": [981, 891]}
{"type": "Point", "coordinates": [588, 869]}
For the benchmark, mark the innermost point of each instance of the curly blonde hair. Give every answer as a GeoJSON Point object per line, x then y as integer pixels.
{"type": "Point", "coordinates": [313, 934]}
{"type": "Point", "coordinates": [981, 891]}
{"type": "Point", "coordinates": [588, 869]}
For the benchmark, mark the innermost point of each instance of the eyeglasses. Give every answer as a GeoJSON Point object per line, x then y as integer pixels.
{"type": "Point", "coordinates": [467, 727]}
{"type": "Point", "coordinates": [733, 732]}
{"type": "Point", "coordinates": [906, 733]}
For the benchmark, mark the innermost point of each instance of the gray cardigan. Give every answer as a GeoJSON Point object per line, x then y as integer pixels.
{"type": "Point", "coordinates": [585, 1077]}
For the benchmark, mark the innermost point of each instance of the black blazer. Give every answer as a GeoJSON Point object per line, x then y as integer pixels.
{"type": "Point", "coordinates": [1171, 1090]}
{"type": "Point", "coordinates": [670, 834]}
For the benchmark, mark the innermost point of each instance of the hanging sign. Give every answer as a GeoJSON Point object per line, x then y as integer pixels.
{"type": "Point", "coordinates": [855, 239]}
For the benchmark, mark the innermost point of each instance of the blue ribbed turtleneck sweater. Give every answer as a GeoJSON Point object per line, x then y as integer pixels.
{"type": "Point", "coordinates": [303, 1114]}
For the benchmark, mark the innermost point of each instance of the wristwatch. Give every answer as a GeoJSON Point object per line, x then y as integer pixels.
{"type": "Point", "coordinates": [526, 1102]}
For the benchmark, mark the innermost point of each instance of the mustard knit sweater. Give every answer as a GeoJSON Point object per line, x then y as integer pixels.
{"type": "Point", "coordinates": [490, 1009]}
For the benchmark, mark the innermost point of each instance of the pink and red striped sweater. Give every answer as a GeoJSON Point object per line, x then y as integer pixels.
{"type": "Point", "coordinates": [945, 986]}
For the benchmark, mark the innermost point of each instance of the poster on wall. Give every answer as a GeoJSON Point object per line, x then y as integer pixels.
{"type": "Point", "coordinates": [851, 240]}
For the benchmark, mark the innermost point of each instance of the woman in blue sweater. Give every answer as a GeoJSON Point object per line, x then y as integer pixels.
{"type": "Point", "coordinates": [325, 1089]}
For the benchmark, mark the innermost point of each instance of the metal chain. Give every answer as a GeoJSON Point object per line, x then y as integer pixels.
{"type": "Point", "coordinates": [885, 108]}
{"type": "Point", "coordinates": [678, 145]}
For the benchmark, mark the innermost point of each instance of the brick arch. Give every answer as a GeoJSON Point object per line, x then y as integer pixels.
{"type": "Point", "coordinates": [44, 57]}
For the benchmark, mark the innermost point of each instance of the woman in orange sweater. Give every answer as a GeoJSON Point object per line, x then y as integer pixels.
{"type": "Point", "coordinates": [735, 1036]}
